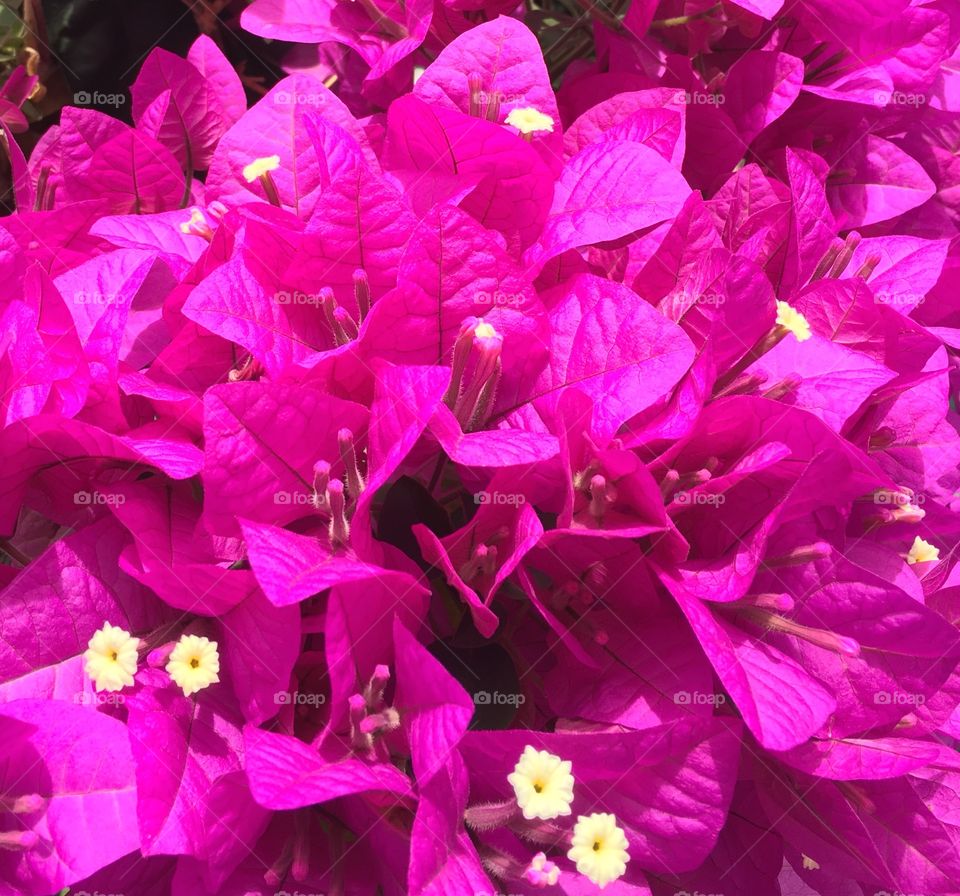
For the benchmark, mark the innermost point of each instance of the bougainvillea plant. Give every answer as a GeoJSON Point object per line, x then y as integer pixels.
{"type": "Point", "coordinates": [516, 453]}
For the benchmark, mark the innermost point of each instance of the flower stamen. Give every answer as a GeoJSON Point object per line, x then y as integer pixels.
{"type": "Point", "coordinates": [348, 456]}
{"type": "Point", "coordinates": [259, 170]}
{"type": "Point", "coordinates": [339, 527]}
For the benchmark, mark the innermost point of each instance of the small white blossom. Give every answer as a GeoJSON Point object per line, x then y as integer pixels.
{"type": "Point", "coordinates": [599, 848]}
{"type": "Point", "coordinates": [110, 659]}
{"type": "Point", "coordinates": [543, 784]}
{"type": "Point", "coordinates": [194, 664]}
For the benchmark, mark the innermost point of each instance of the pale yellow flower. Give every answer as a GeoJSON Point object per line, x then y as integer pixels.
{"type": "Point", "coordinates": [543, 784]}
{"type": "Point", "coordinates": [110, 659]}
{"type": "Point", "coordinates": [194, 664]}
{"type": "Point", "coordinates": [599, 848]}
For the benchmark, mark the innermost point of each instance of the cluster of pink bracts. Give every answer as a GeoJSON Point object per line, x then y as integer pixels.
{"type": "Point", "coordinates": [516, 454]}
